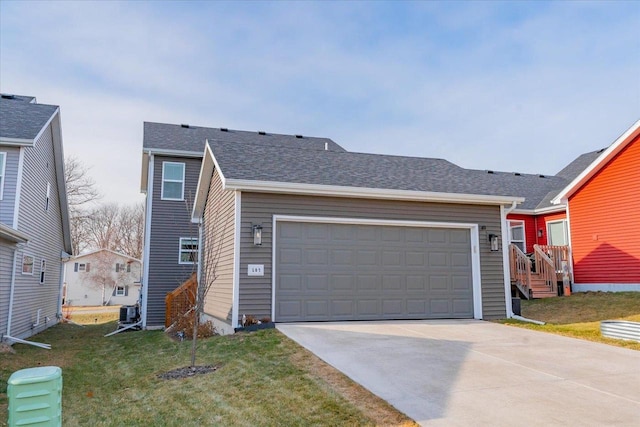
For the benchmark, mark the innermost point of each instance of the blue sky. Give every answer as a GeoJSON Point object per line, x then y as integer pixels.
{"type": "Point", "coordinates": [513, 86]}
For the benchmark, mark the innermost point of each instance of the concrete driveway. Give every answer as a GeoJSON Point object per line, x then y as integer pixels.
{"type": "Point", "coordinates": [475, 373]}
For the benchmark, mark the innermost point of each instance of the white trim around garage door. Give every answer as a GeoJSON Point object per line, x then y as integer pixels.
{"type": "Point", "coordinates": [473, 231]}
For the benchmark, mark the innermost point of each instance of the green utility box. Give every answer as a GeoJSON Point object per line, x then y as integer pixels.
{"type": "Point", "coordinates": [35, 397]}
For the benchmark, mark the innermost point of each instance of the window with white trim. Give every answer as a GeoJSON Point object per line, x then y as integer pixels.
{"type": "Point", "coordinates": [43, 268]}
{"type": "Point", "coordinates": [27, 264]}
{"type": "Point", "coordinates": [516, 234]}
{"type": "Point", "coordinates": [188, 250]}
{"type": "Point", "coordinates": [3, 161]}
{"type": "Point", "coordinates": [121, 267]}
{"type": "Point", "coordinates": [557, 233]}
{"type": "Point", "coordinates": [120, 291]}
{"type": "Point", "coordinates": [172, 181]}
{"type": "Point", "coordinates": [46, 206]}
{"type": "Point", "coordinates": [81, 267]}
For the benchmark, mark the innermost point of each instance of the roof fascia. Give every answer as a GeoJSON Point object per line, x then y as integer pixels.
{"type": "Point", "coordinates": [169, 152]}
{"type": "Point", "coordinates": [368, 193]}
{"type": "Point", "coordinates": [542, 211]}
{"type": "Point", "coordinates": [17, 142]}
{"type": "Point", "coordinates": [12, 235]}
{"type": "Point", "coordinates": [604, 158]}
{"type": "Point", "coordinates": [208, 168]}
{"type": "Point", "coordinates": [58, 153]}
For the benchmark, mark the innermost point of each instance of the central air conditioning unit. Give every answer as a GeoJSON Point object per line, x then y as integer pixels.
{"type": "Point", "coordinates": [129, 314]}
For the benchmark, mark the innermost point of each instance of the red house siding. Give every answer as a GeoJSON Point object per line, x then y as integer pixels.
{"type": "Point", "coordinates": [534, 223]}
{"type": "Point", "coordinates": [542, 224]}
{"type": "Point", "coordinates": [529, 229]}
{"type": "Point", "coordinates": [605, 221]}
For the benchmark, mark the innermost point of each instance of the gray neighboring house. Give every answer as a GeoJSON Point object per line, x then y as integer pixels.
{"type": "Point", "coordinates": [171, 161]}
{"type": "Point", "coordinates": [322, 235]}
{"type": "Point", "coordinates": [35, 236]}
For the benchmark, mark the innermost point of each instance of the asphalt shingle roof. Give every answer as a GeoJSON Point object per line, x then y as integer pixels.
{"type": "Point", "coordinates": [22, 119]}
{"type": "Point", "coordinates": [291, 165]}
{"type": "Point", "coordinates": [164, 136]}
{"type": "Point", "coordinates": [281, 158]}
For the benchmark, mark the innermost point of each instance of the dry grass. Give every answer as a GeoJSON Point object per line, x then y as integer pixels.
{"type": "Point", "coordinates": [579, 315]}
{"type": "Point", "coordinates": [263, 379]}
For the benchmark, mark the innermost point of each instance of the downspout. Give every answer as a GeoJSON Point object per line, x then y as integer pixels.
{"type": "Point", "coordinates": [64, 257]}
{"type": "Point", "coordinates": [505, 256]}
{"type": "Point", "coordinates": [144, 291]}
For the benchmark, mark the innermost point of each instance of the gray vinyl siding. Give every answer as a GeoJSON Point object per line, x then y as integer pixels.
{"type": "Point", "coordinates": [44, 228]}
{"type": "Point", "coordinates": [218, 246]}
{"type": "Point", "coordinates": [10, 179]}
{"type": "Point", "coordinates": [170, 220]}
{"type": "Point", "coordinates": [257, 208]}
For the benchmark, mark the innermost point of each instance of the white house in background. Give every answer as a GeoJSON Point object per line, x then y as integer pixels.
{"type": "Point", "coordinates": [102, 277]}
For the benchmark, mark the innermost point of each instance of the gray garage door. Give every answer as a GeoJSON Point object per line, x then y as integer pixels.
{"type": "Point", "coordinates": [370, 272]}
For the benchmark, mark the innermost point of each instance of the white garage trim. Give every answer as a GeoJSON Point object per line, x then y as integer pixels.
{"type": "Point", "coordinates": [474, 238]}
{"type": "Point", "coordinates": [237, 226]}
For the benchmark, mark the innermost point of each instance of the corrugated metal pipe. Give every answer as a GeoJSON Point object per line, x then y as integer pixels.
{"type": "Point", "coordinates": [620, 329]}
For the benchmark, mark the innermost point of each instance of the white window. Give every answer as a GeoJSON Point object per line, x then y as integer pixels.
{"type": "Point", "coordinates": [81, 267]}
{"type": "Point", "coordinates": [43, 268]}
{"type": "Point", "coordinates": [557, 233]}
{"type": "Point", "coordinates": [188, 250]}
{"type": "Point", "coordinates": [3, 161]}
{"type": "Point", "coordinates": [46, 206]}
{"type": "Point", "coordinates": [121, 268]}
{"type": "Point", "coordinates": [516, 234]}
{"type": "Point", "coordinates": [172, 181]}
{"type": "Point", "coordinates": [27, 264]}
{"type": "Point", "coordinates": [120, 291]}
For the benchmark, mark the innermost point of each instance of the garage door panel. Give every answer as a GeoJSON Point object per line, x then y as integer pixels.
{"type": "Point", "coordinates": [317, 282]}
{"type": "Point", "coordinates": [439, 307]}
{"type": "Point", "coordinates": [461, 283]}
{"type": "Point", "coordinates": [462, 306]}
{"type": "Point", "coordinates": [413, 258]}
{"type": "Point", "coordinates": [416, 306]}
{"type": "Point", "coordinates": [416, 283]}
{"type": "Point", "coordinates": [342, 257]}
{"type": "Point", "coordinates": [317, 308]}
{"type": "Point", "coordinates": [291, 282]}
{"type": "Point", "coordinates": [460, 259]}
{"type": "Point", "coordinates": [342, 307]}
{"type": "Point", "coordinates": [367, 282]}
{"type": "Point", "coordinates": [392, 282]}
{"type": "Point", "coordinates": [290, 256]}
{"type": "Point", "coordinates": [391, 234]}
{"type": "Point", "coordinates": [342, 283]}
{"type": "Point", "coordinates": [366, 257]}
{"type": "Point", "coordinates": [367, 272]}
{"type": "Point", "coordinates": [391, 258]}
{"type": "Point", "coordinates": [368, 307]}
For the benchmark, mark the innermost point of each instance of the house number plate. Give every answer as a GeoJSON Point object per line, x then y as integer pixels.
{"type": "Point", "coordinates": [256, 270]}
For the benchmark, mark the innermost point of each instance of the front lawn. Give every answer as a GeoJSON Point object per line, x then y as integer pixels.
{"type": "Point", "coordinates": [262, 378]}
{"type": "Point", "coordinates": [579, 315]}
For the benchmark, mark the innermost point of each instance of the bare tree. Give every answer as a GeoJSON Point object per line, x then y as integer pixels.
{"type": "Point", "coordinates": [212, 238]}
{"type": "Point", "coordinates": [81, 193]}
{"type": "Point", "coordinates": [102, 226]}
{"type": "Point", "coordinates": [107, 272]}
{"type": "Point", "coordinates": [130, 231]}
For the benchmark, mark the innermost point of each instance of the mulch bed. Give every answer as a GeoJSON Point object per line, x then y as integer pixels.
{"type": "Point", "coordinates": [187, 372]}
